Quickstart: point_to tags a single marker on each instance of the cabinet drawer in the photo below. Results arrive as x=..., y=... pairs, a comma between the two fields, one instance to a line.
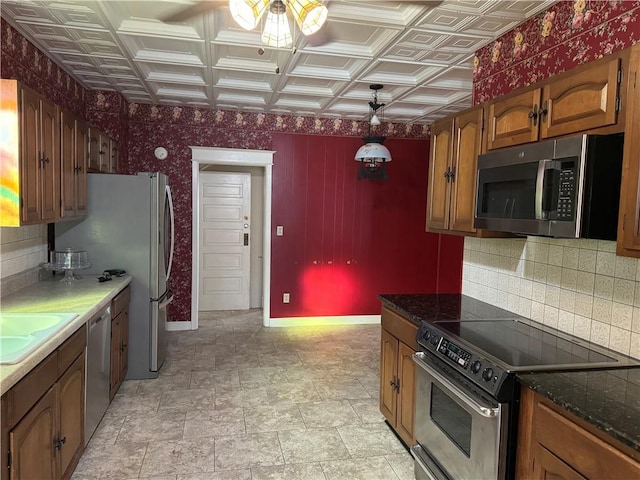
x=25, y=394
x=120, y=302
x=401, y=328
x=589, y=455
x=71, y=348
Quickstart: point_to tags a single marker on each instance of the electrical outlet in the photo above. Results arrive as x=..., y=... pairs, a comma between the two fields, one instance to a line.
x=285, y=298
x=279, y=231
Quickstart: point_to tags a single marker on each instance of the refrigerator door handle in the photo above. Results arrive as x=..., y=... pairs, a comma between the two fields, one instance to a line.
x=173, y=234
x=165, y=299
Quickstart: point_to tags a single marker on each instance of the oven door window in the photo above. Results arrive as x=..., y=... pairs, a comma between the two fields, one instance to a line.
x=508, y=192
x=454, y=421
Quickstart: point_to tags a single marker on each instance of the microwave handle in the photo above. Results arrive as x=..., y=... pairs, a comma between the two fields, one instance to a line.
x=543, y=166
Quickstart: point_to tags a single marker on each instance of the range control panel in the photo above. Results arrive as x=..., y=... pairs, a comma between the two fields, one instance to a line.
x=482, y=371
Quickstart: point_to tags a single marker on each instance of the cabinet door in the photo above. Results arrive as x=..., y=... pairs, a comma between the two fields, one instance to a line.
x=124, y=342
x=31, y=442
x=82, y=157
x=466, y=147
x=581, y=102
x=546, y=466
x=94, y=149
x=50, y=166
x=514, y=120
x=104, y=153
x=30, y=155
x=68, y=163
x=438, y=193
x=113, y=156
x=70, y=439
x=629, y=219
x=116, y=344
x=406, y=394
x=388, y=378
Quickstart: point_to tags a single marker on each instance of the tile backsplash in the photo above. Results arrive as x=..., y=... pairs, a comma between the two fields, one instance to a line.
x=577, y=286
x=22, y=250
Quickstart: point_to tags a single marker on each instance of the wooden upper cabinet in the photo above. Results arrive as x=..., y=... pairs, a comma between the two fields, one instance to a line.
x=629, y=217
x=39, y=158
x=94, y=149
x=585, y=99
x=582, y=101
x=513, y=120
x=29, y=155
x=438, y=196
x=82, y=158
x=456, y=143
x=74, y=151
x=467, y=145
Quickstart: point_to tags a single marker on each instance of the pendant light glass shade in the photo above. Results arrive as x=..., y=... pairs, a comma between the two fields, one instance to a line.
x=247, y=13
x=373, y=153
x=276, y=31
x=310, y=15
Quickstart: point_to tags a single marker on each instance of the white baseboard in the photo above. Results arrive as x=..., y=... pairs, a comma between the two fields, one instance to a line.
x=177, y=326
x=337, y=320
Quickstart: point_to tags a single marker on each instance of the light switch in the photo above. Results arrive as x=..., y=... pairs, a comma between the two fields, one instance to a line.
x=279, y=230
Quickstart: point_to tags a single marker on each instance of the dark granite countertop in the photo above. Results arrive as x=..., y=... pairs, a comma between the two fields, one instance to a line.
x=437, y=307
x=608, y=399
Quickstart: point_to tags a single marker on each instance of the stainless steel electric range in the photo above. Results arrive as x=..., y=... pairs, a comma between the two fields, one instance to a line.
x=467, y=395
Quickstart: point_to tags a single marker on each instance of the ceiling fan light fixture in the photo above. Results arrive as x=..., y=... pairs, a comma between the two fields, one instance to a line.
x=276, y=31
x=310, y=15
x=247, y=13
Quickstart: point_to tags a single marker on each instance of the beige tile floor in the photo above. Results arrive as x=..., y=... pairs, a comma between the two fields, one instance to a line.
x=237, y=401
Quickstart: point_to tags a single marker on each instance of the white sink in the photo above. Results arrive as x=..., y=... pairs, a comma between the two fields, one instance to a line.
x=22, y=333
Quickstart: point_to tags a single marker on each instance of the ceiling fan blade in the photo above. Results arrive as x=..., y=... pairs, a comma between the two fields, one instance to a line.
x=325, y=35
x=198, y=8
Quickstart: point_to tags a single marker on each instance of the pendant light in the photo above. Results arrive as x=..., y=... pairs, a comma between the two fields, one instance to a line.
x=373, y=155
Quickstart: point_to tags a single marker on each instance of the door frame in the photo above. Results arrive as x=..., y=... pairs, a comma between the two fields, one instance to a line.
x=242, y=158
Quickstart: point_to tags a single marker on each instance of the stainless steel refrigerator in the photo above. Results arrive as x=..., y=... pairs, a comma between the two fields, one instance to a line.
x=129, y=226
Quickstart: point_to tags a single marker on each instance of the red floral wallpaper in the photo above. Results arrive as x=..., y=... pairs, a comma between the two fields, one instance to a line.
x=566, y=35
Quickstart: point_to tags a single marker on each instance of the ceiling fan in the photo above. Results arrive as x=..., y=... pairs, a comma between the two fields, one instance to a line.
x=310, y=15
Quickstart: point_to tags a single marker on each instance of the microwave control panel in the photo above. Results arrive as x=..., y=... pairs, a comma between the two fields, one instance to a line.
x=567, y=192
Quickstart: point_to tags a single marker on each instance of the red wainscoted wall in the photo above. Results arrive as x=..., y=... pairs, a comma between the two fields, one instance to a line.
x=567, y=34
x=346, y=240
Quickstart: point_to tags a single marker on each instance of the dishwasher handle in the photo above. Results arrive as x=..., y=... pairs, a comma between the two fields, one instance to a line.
x=106, y=315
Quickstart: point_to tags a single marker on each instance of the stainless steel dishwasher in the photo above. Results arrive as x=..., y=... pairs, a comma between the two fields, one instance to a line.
x=97, y=371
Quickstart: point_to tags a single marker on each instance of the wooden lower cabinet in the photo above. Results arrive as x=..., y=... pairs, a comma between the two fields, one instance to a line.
x=70, y=437
x=397, y=373
x=554, y=444
x=31, y=442
x=43, y=416
x=119, y=340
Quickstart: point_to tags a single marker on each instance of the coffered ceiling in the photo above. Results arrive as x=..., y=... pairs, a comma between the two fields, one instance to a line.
x=422, y=52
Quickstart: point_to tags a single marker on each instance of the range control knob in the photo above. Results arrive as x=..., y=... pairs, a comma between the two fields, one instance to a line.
x=487, y=374
x=427, y=336
x=475, y=366
x=434, y=340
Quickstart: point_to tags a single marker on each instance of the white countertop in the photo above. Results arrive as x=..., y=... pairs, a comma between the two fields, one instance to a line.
x=86, y=297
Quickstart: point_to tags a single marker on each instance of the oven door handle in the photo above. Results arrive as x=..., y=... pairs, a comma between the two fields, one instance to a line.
x=483, y=410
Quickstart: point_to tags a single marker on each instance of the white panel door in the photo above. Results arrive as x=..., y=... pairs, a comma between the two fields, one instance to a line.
x=225, y=239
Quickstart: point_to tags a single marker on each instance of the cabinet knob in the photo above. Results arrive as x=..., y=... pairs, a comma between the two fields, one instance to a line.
x=58, y=443
x=544, y=110
x=533, y=114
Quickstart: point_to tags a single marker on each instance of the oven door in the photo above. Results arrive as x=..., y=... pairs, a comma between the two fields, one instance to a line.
x=458, y=432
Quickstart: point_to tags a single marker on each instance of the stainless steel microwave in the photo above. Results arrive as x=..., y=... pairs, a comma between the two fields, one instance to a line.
x=569, y=187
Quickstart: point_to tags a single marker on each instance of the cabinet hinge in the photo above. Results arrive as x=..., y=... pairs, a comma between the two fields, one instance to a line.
x=482, y=125
x=9, y=460
x=619, y=76
x=618, y=103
